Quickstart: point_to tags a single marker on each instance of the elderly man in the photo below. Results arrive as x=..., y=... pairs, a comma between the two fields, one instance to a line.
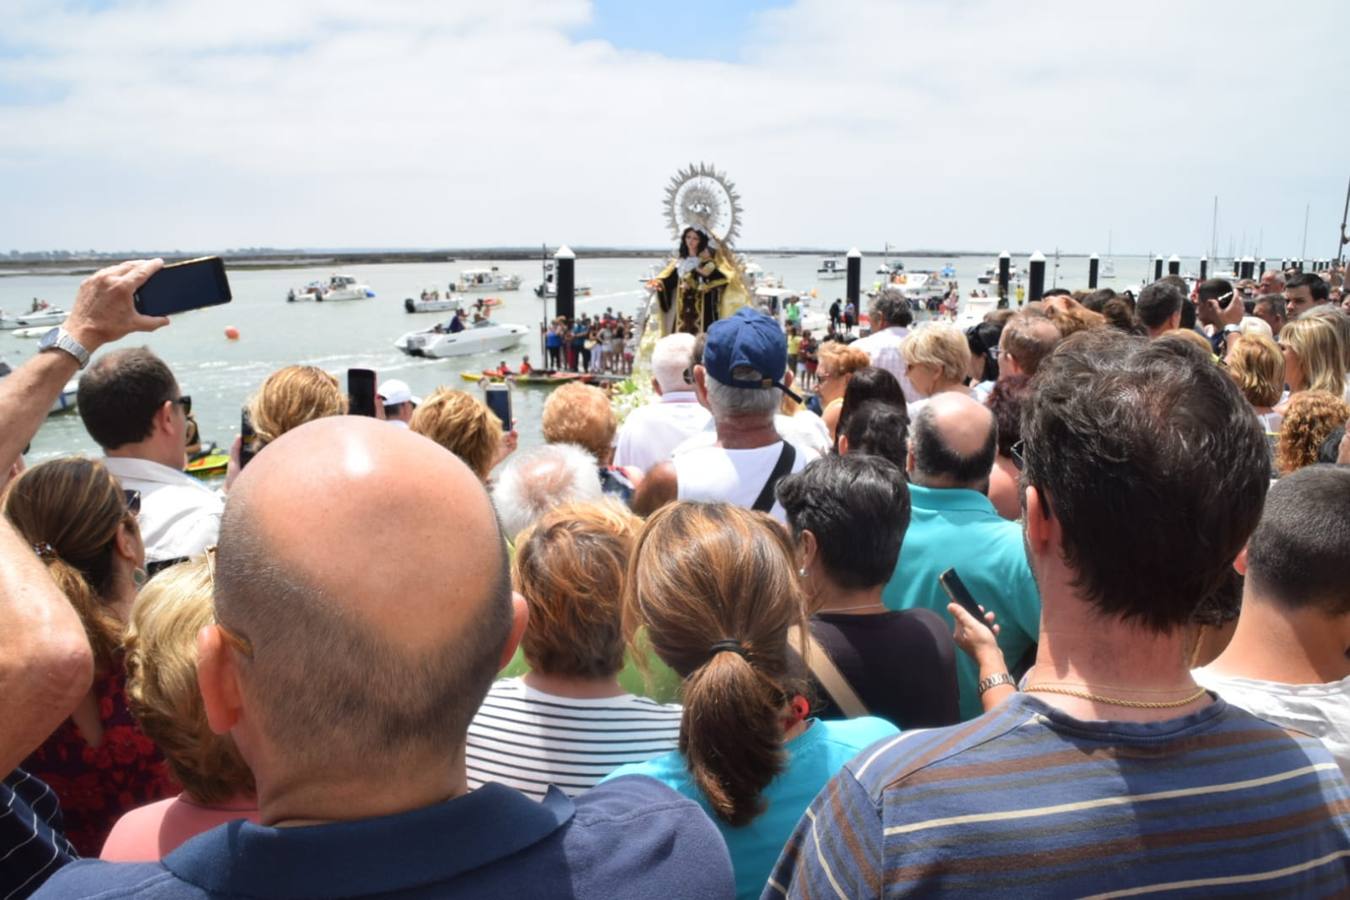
x=398, y=401
x=1270, y=308
x=890, y=316
x=133, y=408
x=741, y=383
x=536, y=481
x=651, y=432
x=1026, y=339
x=1113, y=773
x=45, y=660
x=1272, y=282
x=1287, y=662
x=347, y=672
x=953, y=525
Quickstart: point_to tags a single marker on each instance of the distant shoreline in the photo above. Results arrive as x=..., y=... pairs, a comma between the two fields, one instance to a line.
x=77, y=265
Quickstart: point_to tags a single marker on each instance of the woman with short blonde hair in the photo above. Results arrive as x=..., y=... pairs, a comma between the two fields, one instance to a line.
x=161, y=648
x=937, y=359
x=1313, y=356
x=292, y=396
x=567, y=721
x=462, y=424
x=1256, y=364
x=836, y=364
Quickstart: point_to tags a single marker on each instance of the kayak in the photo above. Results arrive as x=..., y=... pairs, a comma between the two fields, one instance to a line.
x=209, y=466
x=534, y=378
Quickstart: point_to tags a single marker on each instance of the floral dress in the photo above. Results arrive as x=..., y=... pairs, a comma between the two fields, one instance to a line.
x=96, y=785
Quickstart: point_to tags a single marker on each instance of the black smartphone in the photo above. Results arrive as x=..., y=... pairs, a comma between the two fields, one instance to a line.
x=247, y=439
x=181, y=286
x=361, y=392
x=498, y=399
x=956, y=589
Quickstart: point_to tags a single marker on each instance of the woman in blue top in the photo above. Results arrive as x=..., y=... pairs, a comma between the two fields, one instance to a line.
x=713, y=585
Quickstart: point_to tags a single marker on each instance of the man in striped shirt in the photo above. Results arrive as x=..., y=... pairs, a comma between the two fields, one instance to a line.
x=1112, y=774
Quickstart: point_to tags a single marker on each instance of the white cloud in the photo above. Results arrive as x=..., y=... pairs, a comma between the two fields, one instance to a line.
x=958, y=124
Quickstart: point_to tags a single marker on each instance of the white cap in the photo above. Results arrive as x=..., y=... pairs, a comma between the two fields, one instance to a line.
x=393, y=392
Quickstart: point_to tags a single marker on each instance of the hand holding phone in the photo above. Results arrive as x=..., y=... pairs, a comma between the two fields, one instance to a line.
x=182, y=286
x=959, y=594
x=497, y=396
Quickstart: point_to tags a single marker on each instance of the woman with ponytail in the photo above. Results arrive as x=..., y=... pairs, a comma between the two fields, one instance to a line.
x=81, y=523
x=714, y=587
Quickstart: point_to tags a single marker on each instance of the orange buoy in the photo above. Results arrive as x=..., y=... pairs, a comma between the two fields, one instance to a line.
x=231, y=333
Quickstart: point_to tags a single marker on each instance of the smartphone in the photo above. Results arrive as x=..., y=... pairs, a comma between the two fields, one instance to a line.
x=361, y=392
x=956, y=589
x=498, y=399
x=247, y=439
x=181, y=286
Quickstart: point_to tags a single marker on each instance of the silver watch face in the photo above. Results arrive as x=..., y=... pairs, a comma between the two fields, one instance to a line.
x=49, y=339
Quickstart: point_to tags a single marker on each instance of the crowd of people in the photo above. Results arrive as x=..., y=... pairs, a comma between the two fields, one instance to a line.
x=720, y=648
x=603, y=344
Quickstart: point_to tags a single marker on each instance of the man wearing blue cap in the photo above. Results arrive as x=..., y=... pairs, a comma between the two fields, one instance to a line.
x=744, y=363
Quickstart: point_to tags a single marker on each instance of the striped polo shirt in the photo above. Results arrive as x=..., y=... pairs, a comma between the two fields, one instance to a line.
x=528, y=739
x=1027, y=801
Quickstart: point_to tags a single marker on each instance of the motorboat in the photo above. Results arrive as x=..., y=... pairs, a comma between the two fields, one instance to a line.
x=831, y=269
x=1107, y=269
x=891, y=268
x=44, y=318
x=338, y=287
x=440, y=341
x=990, y=275
x=916, y=285
x=64, y=402
x=773, y=301
x=484, y=281
x=547, y=289
x=432, y=301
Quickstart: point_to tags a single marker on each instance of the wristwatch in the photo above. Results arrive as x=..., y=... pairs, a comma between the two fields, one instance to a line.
x=59, y=339
x=994, y=681
x=1232, y=329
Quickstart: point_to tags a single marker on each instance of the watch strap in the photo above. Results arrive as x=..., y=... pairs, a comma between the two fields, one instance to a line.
x=62, y=340
x=993, y=681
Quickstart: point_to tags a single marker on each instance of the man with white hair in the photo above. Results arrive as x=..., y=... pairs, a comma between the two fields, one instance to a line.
x=651, y=432
x=532, y=483
x=890, y=317
x=740, y=380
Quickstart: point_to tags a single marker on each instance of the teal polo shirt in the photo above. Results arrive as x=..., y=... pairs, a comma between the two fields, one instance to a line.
x=960, y=529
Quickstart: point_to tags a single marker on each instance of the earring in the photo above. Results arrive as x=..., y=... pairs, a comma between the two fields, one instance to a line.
x=138, y=576
x=801, y=573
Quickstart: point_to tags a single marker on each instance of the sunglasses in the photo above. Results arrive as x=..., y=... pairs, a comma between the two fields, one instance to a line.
x=133, y=502
x=186, y=402
x=1016, y=451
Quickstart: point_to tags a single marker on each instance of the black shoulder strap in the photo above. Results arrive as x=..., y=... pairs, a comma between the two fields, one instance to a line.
x=788, y=456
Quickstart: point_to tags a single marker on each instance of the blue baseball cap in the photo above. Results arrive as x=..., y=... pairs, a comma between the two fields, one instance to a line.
x=749, y=339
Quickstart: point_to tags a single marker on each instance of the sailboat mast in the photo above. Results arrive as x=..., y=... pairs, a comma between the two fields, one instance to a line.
x=1343, y=239
x=1214, y=232
x=1307, y=211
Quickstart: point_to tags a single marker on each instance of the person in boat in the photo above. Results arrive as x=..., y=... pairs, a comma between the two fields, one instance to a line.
x=502, y=369
x=700, y=286
x=457, y=322
x=525, y=367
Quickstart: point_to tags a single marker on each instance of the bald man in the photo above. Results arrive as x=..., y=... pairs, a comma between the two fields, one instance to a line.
x=953, y=525
x=351, y=651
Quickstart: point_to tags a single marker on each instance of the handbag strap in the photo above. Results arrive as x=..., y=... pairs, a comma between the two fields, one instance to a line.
x=827, y=673
x=788, y=456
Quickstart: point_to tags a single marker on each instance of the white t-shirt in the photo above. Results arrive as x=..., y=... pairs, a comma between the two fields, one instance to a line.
x=731, y=476
x=811, y=438
x=652, y=432
x=179, y=515
x=527, y=739
x=883, y=348
x=1319, y=710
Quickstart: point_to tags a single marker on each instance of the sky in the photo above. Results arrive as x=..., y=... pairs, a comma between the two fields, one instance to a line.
x=955, y=124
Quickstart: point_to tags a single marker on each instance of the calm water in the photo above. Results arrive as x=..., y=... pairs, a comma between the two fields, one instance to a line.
x=220, y=375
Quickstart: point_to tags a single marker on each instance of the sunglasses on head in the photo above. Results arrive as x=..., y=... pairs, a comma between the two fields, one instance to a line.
x=133, y=502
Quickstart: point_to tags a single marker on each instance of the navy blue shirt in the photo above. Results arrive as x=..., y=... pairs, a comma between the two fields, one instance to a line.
x=32, y=846
x=632, y=837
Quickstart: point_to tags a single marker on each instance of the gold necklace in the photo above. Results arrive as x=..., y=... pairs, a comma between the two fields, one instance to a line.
x=1112, y=701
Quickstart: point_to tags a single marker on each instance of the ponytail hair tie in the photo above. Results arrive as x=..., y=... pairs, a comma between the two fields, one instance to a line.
x=729, y=645
x=44, y=550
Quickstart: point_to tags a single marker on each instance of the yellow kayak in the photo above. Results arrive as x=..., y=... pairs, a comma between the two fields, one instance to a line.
x=209, y=466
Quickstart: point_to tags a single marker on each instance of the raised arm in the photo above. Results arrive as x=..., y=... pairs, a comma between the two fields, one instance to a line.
x=46, y=665
x=103, y=313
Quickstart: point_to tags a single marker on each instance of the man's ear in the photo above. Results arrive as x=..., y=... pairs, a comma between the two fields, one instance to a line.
x=843, y=445
x=163, y=420
x=701, y=384
x=520, y=617
x=807, y=548
x=1043, y=534
x=218, y=680
x=1240, y=563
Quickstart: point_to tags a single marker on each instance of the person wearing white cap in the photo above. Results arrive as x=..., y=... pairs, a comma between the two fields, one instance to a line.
x=398, y=401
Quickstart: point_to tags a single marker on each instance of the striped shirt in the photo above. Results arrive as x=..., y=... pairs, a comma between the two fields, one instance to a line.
x=32, y=846
x=527, y=739
x=1026, y=801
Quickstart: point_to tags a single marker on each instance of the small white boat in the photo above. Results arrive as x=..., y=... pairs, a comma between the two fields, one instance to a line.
x=31, y=332
x=831, y=269
x=339, y=287
x=45, y=318
x=485, y=281
x=917, y=285
x=432, y=301
x=1107, y=269
x=440, y=342
x=548, y=289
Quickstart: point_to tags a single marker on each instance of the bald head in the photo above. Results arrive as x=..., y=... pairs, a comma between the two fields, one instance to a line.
x=954, y=442
x=369, y=629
